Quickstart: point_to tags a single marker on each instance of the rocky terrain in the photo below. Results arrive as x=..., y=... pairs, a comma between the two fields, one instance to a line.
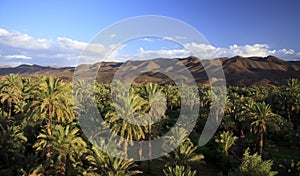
x=240, y=71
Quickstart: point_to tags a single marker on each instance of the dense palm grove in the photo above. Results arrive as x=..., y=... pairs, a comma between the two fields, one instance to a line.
x=40, y=134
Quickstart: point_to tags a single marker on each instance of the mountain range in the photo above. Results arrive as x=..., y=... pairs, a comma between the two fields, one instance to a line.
x=238, y=71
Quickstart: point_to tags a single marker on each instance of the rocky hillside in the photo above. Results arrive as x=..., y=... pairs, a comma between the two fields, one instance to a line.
x=241, y=71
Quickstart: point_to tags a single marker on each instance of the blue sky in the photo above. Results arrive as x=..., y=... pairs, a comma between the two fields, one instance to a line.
x=230, y=26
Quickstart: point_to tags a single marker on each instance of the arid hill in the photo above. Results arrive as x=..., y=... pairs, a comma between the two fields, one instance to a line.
x=241, y=71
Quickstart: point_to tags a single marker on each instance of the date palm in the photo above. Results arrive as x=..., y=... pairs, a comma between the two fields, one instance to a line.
x=105, y=164
x=11, y=92
x=290, y=96
x=183, y=155
x=226, y=140
x=179, y=171
x=124, y=119
x=172, y=95
x=53, y=102
x=261, y=118
x=155, y=108
x=12, y=145
x=119, y=167
x=65, y=144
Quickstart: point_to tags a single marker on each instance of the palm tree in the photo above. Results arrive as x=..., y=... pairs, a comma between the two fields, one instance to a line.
x=53, y=101
x=183, y=155
x=82, y=89
x=290, y=95
x=178, y=136
x=155, y=108
x=119, y=167
x=65, y=145
x=103, y=97
x=172, y=95
x=12, y=145
x=105, y=164
x=262, y=118
x=11, y=91
x=191, y=94
x=205, y=96
x=226, y=140
x=179, y=171
x=124, y=119
x=31, y=88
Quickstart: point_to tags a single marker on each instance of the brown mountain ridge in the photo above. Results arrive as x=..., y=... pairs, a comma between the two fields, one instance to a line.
x=239, y=71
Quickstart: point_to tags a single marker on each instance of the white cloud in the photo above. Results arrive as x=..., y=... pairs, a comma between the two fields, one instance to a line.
x=18, y=57
x=151, y=54
x=204, y=51
x=180, y=37
x=142, y=50
x=209, y=52
x=18, y=40
x=17, y=48
x=113, y=35
x=67, y=43
x=262, y=50
x=168, y=38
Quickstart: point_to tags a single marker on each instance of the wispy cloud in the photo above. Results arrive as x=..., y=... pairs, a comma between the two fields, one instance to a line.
x=113, y=35
x=17, y=57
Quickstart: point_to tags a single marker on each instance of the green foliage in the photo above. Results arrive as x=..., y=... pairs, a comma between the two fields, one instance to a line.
x=62, y=148
x=104, y=164
x=179, y=171
x=39, y=134
x=226, y=140
x=12, y=146
x=253, y=165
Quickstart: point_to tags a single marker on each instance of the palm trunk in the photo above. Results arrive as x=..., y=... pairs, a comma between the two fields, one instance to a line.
x=149, y=144
x=125, y=148
x=261, y=143
x=3, y=110
x=217, y=116
x=49, y=120
x=9, y=108
x=141, y=150
x=63, y=167
x=288, y=114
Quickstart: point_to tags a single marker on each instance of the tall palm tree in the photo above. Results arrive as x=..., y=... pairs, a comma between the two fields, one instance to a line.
x=124, y=118
x=290, y=95
x=226, y=140
x=11, y=91
x=53, y=100
x=261, y=118
x=155, y=108
x=65, y=145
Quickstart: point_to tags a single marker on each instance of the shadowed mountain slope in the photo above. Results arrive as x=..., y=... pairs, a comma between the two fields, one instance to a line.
x=240, y=71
